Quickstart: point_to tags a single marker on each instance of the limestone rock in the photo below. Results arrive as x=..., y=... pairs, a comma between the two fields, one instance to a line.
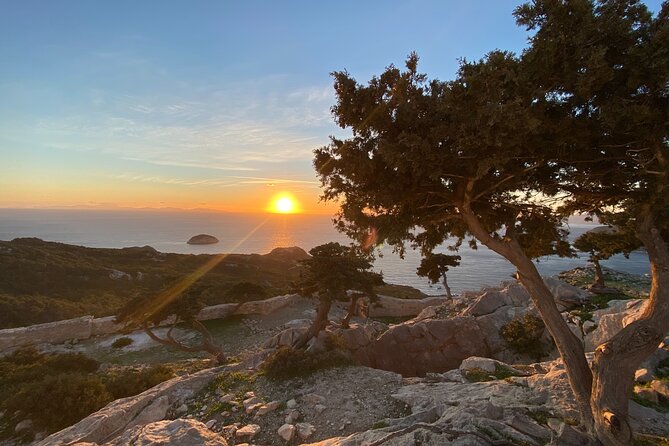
x=179, y=431
x=23, y=426
x=247, y=432
x=287, y=432
x=266, y=408
x=305, y=430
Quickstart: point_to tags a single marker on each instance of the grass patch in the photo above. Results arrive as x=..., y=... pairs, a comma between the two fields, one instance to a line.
x=479, y=375
x=523, y=336
x=380, y=424
x=287, y=363
x=660, y=407
x=650, y=440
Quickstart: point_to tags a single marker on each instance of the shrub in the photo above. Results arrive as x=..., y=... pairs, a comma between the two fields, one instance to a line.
x=288, y=362
x=58, y=401
x=523, y=336
x=122, y=342
x=246, y=291
x=132, y=381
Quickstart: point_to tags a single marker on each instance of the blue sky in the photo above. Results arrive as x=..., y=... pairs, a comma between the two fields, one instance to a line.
x=202, y=104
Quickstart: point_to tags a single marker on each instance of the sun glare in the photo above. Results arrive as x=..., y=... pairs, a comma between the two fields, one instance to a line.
x=284, y=204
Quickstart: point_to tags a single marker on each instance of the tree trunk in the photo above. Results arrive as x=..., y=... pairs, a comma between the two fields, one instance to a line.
x=208, y=345
x=448, y=289
x=319, y=323
x=569, y=346
x=617, y=359
x=352, y=310
x=599, y=275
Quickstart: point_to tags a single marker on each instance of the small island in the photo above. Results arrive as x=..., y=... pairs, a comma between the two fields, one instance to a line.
x=202, y=239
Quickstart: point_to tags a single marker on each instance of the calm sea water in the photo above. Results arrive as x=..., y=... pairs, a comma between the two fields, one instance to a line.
x=168, y=231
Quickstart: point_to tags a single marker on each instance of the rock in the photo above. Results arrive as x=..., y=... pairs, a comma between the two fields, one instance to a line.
x=155, y=411
x=253, y=407
x=567, y=296
x=118, y=416
x=23, y=426
x=487, y=303
x=386, y=306
x=567, y=435
x=227, y=398
x=202, y=239
x=487, y=365
x=305, y=430
x=291, y=404
x=247, y=432
x=210, y=424
x=269, y=407
x=181, y=409
x=319, y=408
x=643, y=376
x=179, y=432
x=287, y=432
x=292, y=416
x=312, y=399
x=661, y=388
x=251, y=401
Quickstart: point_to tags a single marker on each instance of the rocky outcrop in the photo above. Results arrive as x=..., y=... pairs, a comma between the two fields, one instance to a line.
x=441, y=337
x=124, y=414
x=387, y=306
x=178, y=432
x=202, y=239
x=88, y=326
x=449, y=409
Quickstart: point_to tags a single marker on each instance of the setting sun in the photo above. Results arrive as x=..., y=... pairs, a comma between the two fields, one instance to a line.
x=284, y=204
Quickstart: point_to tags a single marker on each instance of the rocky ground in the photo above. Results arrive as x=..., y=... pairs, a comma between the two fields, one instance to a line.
x=481, y=401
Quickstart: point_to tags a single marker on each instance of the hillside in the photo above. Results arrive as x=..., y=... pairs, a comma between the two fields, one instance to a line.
x=45, y=281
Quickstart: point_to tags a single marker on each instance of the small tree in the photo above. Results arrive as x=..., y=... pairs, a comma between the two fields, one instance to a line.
x=602, y=243
x=149, y=312
x=330, y=273
x=435, y=266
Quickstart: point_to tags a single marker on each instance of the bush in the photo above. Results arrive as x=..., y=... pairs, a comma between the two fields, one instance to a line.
x=122, y=342
x=246, y=291
x=132, y=381
x=58, y=401
x=523, y=336
x=288, y=362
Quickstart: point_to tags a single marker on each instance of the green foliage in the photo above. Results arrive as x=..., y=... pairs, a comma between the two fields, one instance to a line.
x=333, y=269
x=435, y=266
x=246, y=291
x=131, y=381
x=287, y=363
x=121, y=342
x=479, y=375
x=57, y=390
x=523, y=335
x=380, y=424
x=57, y=401
x=604, y=242
x=229, y=380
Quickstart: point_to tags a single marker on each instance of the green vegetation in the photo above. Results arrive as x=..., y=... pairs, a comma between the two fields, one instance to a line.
x=479, y=375
x=602, y=243
x=523, y=336
x=380, y=424
x=287, y=362
x=121, y=342
x=45, y=281
x=55, y=391
x=435, y=267
x=515, y=143
x=650, y=440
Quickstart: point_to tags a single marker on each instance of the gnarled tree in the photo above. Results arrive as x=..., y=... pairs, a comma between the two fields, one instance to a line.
x=435, y=267
x=149, y=313
x=330, y=274
x=601, y=243
x=504, y=152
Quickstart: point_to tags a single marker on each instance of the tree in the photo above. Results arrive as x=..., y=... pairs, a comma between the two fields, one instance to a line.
x=149, y=312
x=601, y=243
x=603, y=68
x=332, y=271
x=435, y=266
x=506, y=151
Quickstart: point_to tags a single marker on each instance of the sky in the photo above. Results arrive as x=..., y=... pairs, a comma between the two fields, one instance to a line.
x=207, y=104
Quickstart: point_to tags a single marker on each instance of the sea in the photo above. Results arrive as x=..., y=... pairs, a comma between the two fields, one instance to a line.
x=168, y=231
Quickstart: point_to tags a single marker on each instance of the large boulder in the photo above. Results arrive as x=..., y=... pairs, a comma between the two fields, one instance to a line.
x=387, y=306
x=202, y=239
x=426, y=346
x=178, y=432
x=566, y=296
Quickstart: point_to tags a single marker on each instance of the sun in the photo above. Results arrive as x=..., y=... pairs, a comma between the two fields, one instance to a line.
x=284, y=204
